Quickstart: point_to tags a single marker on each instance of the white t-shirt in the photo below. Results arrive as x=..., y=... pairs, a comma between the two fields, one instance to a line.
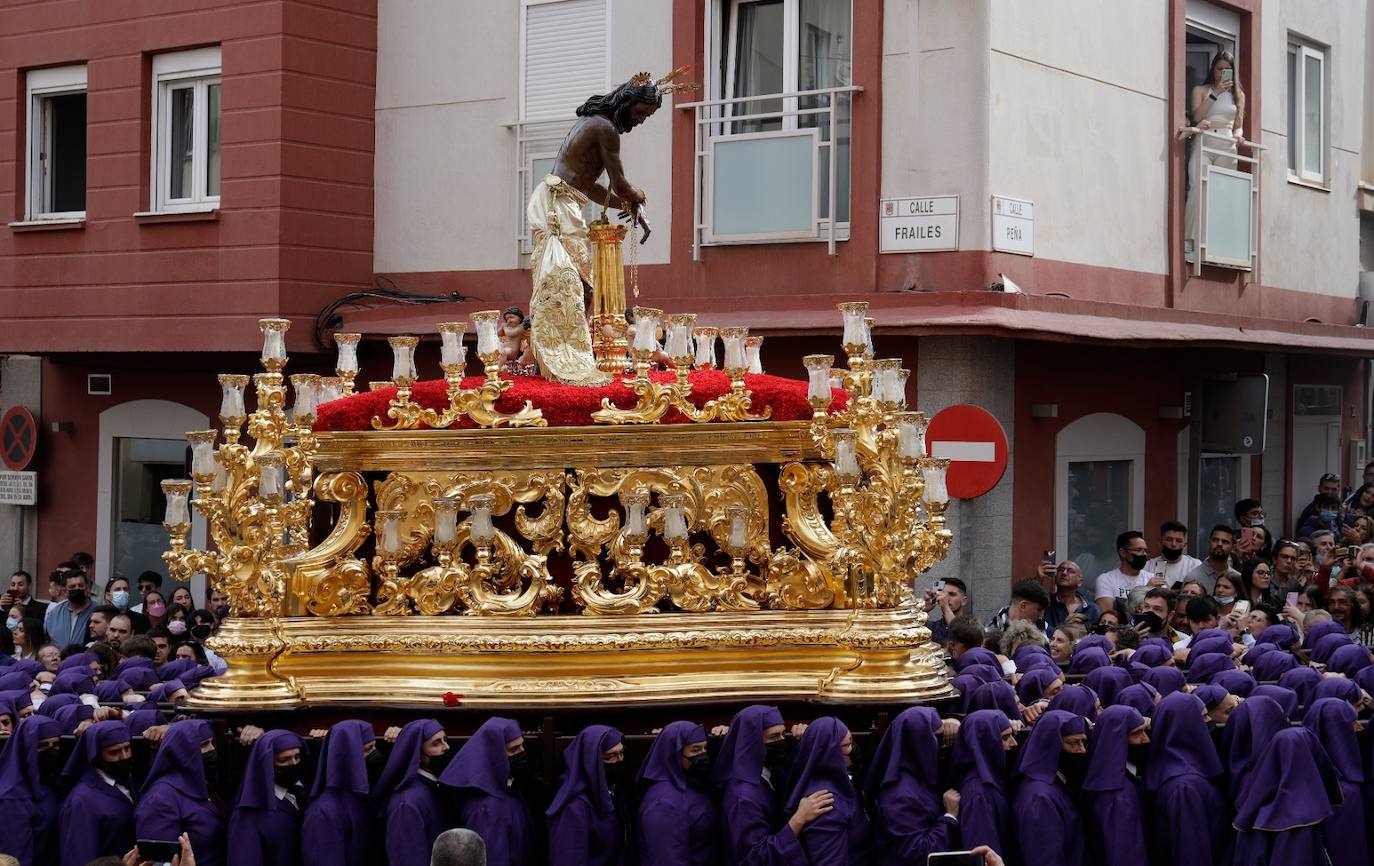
x=1174, y=572
x=1114, y=584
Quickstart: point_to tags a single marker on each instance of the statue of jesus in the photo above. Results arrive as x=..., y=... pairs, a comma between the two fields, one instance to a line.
x=562, y=260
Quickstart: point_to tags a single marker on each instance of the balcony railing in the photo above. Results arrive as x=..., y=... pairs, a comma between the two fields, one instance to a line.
x=1227, y=213
x=766, y=173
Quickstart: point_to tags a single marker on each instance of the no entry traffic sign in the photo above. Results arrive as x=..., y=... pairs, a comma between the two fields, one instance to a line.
x=976, y=446
x=18, y=438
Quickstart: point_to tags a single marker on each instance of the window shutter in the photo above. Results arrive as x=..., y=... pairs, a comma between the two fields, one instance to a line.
x=565, y=56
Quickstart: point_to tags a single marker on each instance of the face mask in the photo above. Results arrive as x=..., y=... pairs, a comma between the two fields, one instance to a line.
x=519, y=765
x=45, y=687
x=1224, y=600
x=176, y=626
x=1138, y=562
x=699, y=768
x=1328, y=516
x=11, y=623
x=200, y=632
x=777, y=754
x=437, y=763
x=1138, y=754
x=120, y=598
x=157, y=608
x=1074, y=766
x=76, y=596
x=50, y=764
x=615, y=773
x=375, y=764
x=1258, y=521
x=287, y=776
x=120, y=771
x=210, y=761
x=1169, y=554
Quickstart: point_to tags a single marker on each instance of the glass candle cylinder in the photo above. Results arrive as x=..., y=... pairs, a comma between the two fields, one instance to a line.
x=347, y=361
x=635, y=503
x=274, y=339
x=752, y=347
x=231, y=395
x=911, y=435
x=307, y=389
x=933, y=470
x=674, y=517
x=734, y=347
x=868, y=336
x=899, y=378
x=706, y=347
x=445, y=520
x=403, y=358
x=846, y=457
x=389, y=532
x=883, y=371
x=177, y=492
x=679, y=342
x=646, y=328
x=270, y=485
x=330, y=388
x=487, y=323
x=852, y=316
x=202, y=452
x=818, y=376
x=452, y=352
x=739, y=527
x=221, y=474
x=482, y=531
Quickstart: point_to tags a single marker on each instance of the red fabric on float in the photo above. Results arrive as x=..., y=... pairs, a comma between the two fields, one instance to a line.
x=572, y=406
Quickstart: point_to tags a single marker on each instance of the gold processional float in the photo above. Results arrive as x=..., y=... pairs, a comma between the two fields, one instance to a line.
x=732, y=558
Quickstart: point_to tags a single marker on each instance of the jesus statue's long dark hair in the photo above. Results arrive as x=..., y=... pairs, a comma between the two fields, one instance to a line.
x=616, y=104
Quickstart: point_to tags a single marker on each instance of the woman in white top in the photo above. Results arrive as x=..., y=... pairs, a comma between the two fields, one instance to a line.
x=1219, y=105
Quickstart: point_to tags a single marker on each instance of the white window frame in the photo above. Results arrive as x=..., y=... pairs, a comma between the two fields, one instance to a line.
x=42, y=84
x=199, y=68
x=1304, y=50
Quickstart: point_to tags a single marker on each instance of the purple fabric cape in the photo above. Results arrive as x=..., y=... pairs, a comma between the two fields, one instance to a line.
x=1033, y=683
x=585, y=828
x=978, y=768
x=1108, y=683
x=1256, y=652
x=16, y=681
x=263, y=830
x=1210, y=695
x=1094, y=640
x=754, y=831
x=1027, y=657
x=1332, y=721
x=1047, y=822
x=1115, y=800
x=414, y=814
x=841, y=836
x=1250, y=726
x=966, y=685
x=29, y=806
x=1328, y=644
x=96, y=820
x=1087, y=659
x=1321, y=630
x=977, y=656
x=176, y=798
x=1152, y=655
x=138, y=671
x=1302, y=680
x=1207, y=665
x=79, y=660
x=1189, y=813
x=983, y=673
x=1349, y=660
x=1285, y=698
x=1208, y=646
x=1282, y=635
x=1290, y=791
x=51, y=704
x=111, y=691
x=1079, y=700
x=1273, y=665
x=995, y=696
x=163, y=692
x=71, y=715
x=175, y=668
x=73, y=682
x=490, y=806
x=336, y=829
x=677, y=819
x=1238, y=683
x=909, y=823
x=1166, y=680
x=1139, y=697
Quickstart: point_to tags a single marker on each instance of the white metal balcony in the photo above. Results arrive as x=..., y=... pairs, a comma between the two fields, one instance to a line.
x=1225, y=220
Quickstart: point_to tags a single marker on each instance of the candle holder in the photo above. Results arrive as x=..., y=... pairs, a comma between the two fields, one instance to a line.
x=328, y=389
x=855, y=339
x=737, y=539
x=392, y=596
x=678, y=346
x=177, y=518
x=453, y=355
x=231, y=407
x=753, y=361
x=307, y=389
x=646, y=340
x=818, y=392
x=884, y=382
x=445, y=529
x=375, y=385
x=347, y=364
x=202, y=455
x=486, y=325
x=705, y=347
x=274, y=343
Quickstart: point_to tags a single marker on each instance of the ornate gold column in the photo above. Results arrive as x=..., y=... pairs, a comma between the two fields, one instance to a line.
x=609, y=328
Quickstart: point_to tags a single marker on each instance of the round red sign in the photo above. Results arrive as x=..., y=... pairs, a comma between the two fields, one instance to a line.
x=976, y=446
x=18, y=438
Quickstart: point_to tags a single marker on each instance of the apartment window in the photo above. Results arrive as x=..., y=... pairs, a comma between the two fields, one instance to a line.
x=57, y=143
x=1307, y=112
x=565, y=54
x=186, y=130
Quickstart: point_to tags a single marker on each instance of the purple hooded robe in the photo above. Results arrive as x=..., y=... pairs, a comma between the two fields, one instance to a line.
x=585, y=828
x=754, y=830
x=413, y=813
x=176, y=798
x=1285, y=698
x=138, y=671
x=336, y=829
x=1078, y=700
x=910, y=821
x=1113, y=793
x=28, y=802
x=979, y=770
x=97, y=818
x=1349, y=660
x=1182, y=774
x=1303, y=681
x=491, y=806
x=1333, y=722
x=678, y=824
x=1249, y=727
x=995, y=696
x=1108, y=683
x=841, y=836
x=1292, y=790
x=265, y=830
x=1047, y=821
x=1165, y=680
x=1139, y=697
x=1033, y=683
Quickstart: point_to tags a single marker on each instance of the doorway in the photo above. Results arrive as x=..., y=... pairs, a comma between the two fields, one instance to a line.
x=1316, y=442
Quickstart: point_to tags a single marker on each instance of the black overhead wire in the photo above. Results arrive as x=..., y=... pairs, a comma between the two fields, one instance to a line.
x=383, y=293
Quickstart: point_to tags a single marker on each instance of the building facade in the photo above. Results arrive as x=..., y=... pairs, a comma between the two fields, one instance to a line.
x=1040, y=272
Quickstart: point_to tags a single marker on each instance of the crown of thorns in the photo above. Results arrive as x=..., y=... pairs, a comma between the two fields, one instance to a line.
x=668, y=83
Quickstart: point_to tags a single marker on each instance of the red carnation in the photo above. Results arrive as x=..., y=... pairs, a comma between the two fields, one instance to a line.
x=452, y=700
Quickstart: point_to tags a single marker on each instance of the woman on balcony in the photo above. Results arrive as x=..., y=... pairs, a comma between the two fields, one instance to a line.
x=1218, y=106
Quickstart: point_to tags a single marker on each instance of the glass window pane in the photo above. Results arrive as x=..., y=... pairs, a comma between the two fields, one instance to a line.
x=212, y=140
x=1099, y=508
x=64, y=153
x=764, y=186
x=181, y=147
x=758, y=56
x=1294, y=97
x=141, y=465
x=1227, y=232
x=1312, y=115
x=824, y=44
